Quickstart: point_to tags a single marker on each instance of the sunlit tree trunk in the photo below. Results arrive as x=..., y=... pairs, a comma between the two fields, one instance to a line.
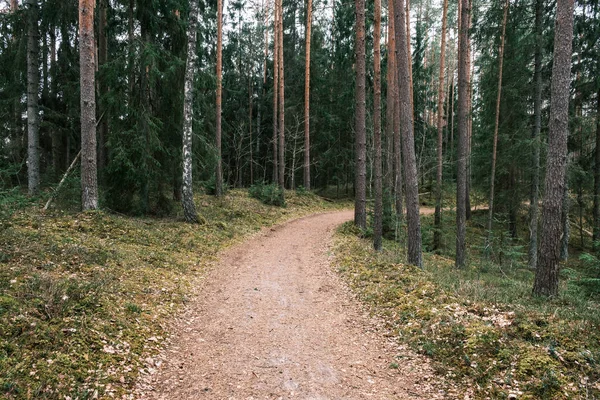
x=33, y=111
x=87, y=65
x=189, y=208
x=546, y=276
x=408, y=148
x=275, y=89
x=307, y=98
x=496, y=127
x=378, y=225
x=219, y=171
x=281, y=162
x=437, y=233
x=463, y=126
x=360, y=187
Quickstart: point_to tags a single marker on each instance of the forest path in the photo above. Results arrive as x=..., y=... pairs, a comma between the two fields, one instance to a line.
x=274, y=321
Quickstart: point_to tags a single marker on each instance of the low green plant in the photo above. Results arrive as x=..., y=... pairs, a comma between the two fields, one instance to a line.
x=270, y=194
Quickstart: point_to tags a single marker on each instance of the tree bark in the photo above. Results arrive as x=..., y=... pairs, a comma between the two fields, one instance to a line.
x=307, y=98
x=535, y=136
x=219, y=171
x=546, y=276
x=496, y=126
x=463, y=126
x=281, y=162
x=378, y=225
x=275, y=89
x=389, y=102
x=437, y=232
x=33, y=111
x=408, y=144
x=596, y=230
x=87, y=64
x=360, y=189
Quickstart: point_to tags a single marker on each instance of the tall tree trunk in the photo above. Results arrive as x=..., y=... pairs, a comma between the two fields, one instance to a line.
x=437, y=233
x=389, y=103
x=378, y=225
x=219, y=171
x=408, y=142
x=307, y=98
x=463, y=126
x=33, y=111
x=470, y=72
x=395, y=120
x=546, y=276
x=596, y=232
x=275, y=89
x=102, y=87
x=360, y=187
x=496, y=126
x=281, y=162
x=250, y=113
x=535, y=136
x=87, y=65
x=189, y=208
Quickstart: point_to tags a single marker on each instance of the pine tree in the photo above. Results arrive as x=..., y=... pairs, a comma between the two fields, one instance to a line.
x=87, y=64
x=378, y=224
x=33, y=81
x=546, y=276
x=307, y=98
x=360, y=187
x=219, y=171
x=407, y=127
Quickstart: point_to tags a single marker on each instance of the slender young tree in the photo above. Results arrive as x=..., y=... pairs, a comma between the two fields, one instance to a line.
x=596, y=232
x=546, y=275
x=275, y=89
x=496, y=126
x=281, y=107
x=378, y=225
x=87, y=65
x=535, y=136
x=408, y=147
x=102, y=87
x=33, y=108
x=189, y=208
x=219, y=171
x=360, y=187
x=389, y=101
x=307, y=98
x=463, y=125
x=437, y=233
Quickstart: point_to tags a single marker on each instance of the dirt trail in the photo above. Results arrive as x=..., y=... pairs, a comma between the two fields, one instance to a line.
x=273, y=321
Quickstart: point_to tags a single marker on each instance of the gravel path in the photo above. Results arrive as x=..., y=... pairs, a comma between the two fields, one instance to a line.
x=273, y=321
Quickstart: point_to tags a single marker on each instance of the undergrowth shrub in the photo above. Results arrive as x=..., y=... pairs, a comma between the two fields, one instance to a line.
x=270, y=194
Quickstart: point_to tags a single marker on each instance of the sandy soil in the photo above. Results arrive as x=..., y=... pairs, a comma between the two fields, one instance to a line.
x=273, y=321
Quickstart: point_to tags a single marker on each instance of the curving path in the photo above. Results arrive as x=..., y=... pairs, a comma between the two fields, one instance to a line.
x=275, y=322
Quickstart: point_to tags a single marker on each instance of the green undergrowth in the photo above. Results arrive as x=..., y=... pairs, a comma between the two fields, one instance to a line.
x=85, y=298
x=481, y=328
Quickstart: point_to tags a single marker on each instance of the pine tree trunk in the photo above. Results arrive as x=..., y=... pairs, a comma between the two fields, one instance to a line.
x=378, y=225
x=307, y=98
x=408, y=142
x=437, y=232
x=389, y=103
x=360, y=187
x=33, y=111
x=219, y=171
x=275, y=89
x=470, y=72
x=463, y=126
x=535, y=136
x=596, y=232
x=87, y=64
x=546, y=276
x=496, y=127
x=189, y=208
x=281, y=162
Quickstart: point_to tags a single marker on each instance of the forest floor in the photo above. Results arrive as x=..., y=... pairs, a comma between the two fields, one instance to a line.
x=274, y=321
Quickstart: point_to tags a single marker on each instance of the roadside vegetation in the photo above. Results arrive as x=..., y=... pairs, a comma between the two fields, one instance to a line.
x=85, y=298
x=481, y=326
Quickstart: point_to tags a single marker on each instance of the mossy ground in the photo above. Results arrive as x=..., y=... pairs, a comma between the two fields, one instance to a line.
x=481, y=327
x=85, y=298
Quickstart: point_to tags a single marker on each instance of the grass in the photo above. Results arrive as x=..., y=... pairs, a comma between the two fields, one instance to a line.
x=85, y=298
x=481, y=327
